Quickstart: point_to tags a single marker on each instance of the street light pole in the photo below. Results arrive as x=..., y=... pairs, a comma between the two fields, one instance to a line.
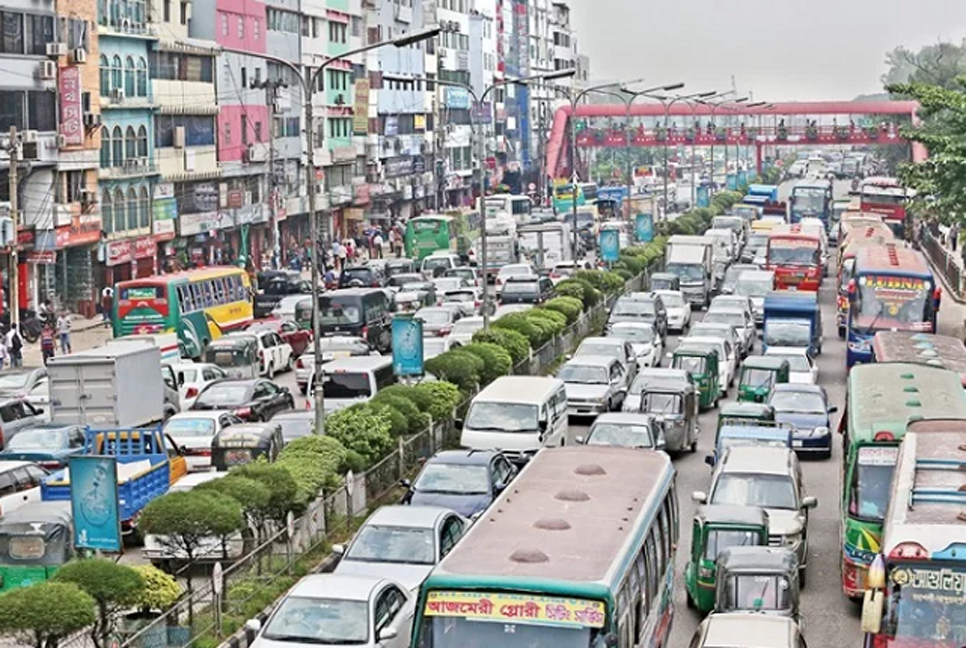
x=714, y=135
x=667, y=103
x=309, y=82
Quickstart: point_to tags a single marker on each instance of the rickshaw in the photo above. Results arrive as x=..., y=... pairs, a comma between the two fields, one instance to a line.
x=665, y=281
x=35, y=541
x=702, y=363
x=237, y=356
x=764, y=433
x=677, y=403
x=716, y=528
x=303, y=314
x=750, y=413
x=758, y=579
x=759, y=375
x=399, y=266
x=242, y=444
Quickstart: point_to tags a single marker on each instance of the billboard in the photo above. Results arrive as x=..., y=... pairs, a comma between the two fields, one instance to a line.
x=94, y=503
x=407, y=346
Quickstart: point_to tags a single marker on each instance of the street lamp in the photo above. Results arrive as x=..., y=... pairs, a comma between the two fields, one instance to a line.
x=309, y=82
x=478, y=100
x=714, y=107
x=757, y=104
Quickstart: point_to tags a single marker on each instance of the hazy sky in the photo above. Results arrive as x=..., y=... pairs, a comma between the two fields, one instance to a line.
x=779, y=49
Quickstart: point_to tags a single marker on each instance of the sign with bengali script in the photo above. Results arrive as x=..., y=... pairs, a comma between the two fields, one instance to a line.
x=71, y=111
x=516, y=608
x=939, y=585
x=360, y=107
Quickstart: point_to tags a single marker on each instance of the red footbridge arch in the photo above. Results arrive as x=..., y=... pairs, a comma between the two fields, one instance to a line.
x=755, y=133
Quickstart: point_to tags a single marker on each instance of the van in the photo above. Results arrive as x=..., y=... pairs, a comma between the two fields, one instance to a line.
x=237, y=356
x=519, y=415
x=353, y=380
x=356, y=312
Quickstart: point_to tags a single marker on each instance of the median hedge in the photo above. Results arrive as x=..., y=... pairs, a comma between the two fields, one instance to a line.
x=569, y=307
x=513, y=342
x=496, y=361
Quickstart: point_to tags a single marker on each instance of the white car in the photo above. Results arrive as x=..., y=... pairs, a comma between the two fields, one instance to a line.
x=468, y=299
x=434, y=346
x=726, y=368
x=678, y=309
x=647, y=344
x=741, y=321
x=285, y=309
x=332, y=348
x=445, y=284
x=194, y=377
x=464, y=329
x=514, y=270
x=506, y=309
x=274, y=353
x=193, y=432
x=801, y=367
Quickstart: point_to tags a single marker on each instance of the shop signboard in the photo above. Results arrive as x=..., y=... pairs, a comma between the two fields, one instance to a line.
x=191, y=224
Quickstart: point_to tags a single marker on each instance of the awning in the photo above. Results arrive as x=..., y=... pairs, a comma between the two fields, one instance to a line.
x=189, y=46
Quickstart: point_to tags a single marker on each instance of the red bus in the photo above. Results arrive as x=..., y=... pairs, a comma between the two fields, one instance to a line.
x=795, y=256
x=886, y=197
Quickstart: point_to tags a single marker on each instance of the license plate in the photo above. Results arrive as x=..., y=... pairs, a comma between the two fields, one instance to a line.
x=798, y=444
x=792, y=288
x=238, y=457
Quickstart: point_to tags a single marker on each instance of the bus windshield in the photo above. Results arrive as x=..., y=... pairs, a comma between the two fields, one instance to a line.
x=459, y=632
x=871, y=481
x=890, y=302
x=793, y=252
x=927, y=602
x=810, y=199
x=421, y=226
x=686, y=272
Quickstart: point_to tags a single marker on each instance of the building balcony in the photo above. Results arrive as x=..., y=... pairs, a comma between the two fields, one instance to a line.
x=187, y=163
x=132, y=168
x=128, y=28
x=120, y=100
x=175, y=97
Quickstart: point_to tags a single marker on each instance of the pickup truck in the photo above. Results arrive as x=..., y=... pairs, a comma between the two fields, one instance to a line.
x=148, y=462
x=274, y=289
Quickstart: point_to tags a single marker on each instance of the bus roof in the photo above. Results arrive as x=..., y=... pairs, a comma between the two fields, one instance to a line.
x=944, y=351
x=570, y=516
x=887, y=396
x=794, y=230
x=928, y=497
x=432, y=217
x=892, y=258
x=189, y=275
x=812, y=184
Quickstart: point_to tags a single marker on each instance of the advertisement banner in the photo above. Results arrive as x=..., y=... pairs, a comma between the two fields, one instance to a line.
x=71, y=111
x=644, y=227
x=457, y=98
x=516, y=608
x=94, y=503
x=704, y=196
x=610, y=245
x=731, y=182
x=407, y=346
x=360, y=107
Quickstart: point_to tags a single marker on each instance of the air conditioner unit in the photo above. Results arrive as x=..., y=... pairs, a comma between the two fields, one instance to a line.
x=56, y=49
x=48, y=70
x=79, y=55
x=340, y=100
x=29, y=137
x=441, y=52
x=117, y=94
x=61, y=141
x=277, y=106
x=179, y=136
x=92, y=120
x=88, y=196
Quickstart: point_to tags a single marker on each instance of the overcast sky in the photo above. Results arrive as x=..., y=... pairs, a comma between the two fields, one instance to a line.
x=779, y=49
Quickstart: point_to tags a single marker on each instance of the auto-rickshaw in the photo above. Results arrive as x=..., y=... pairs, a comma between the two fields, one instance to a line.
x=745, y=413
x=303, y=314
x=242, y=444
x=758, y=579
x=759, y=375
x=702, y=363
x=716, y=528
x=237, y=356
x=665, y=281
x=766, y=433
x=677, y=403
x=35, y=541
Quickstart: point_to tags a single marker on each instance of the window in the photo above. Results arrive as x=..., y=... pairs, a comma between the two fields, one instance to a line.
x=256, y=28
x=184, y=13
x=107, y=213
x=244, y=77
x=130, y=144
x=167, y=10
x=224, y=24
x=337, y=32
x=284, y=21
x=74, y=181
x=142, y=78
x=76, y=33
x=117, y=73
x=199, y=130
x=129, y=76
x=241, y=27
x=142, y=142
x=117, y=147
x=227, y=134
x=244, y=129
x=145, y=207
x=182, y=67
x=105, y=147
x=105, y=73
x=653, y=566
x=258, y=131
x=120, y=223
x=11, y=41
x=132, y=208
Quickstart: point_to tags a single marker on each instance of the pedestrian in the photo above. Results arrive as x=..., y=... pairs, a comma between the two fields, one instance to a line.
x=377, y=244
x=107, y=304
x=3, y=353
x=14, y=344
x=954, y=236
x=47, y=342
x=63, y=331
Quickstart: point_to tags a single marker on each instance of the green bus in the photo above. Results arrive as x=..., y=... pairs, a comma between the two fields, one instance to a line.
x=457, y=232
x=882, y=399
x=577, y=551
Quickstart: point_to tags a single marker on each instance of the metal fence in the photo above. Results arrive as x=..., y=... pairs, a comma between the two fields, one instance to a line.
x=944, y=261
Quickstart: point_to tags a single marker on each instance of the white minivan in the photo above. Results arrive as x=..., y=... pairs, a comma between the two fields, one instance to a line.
x=519, y=415
x=352, y=380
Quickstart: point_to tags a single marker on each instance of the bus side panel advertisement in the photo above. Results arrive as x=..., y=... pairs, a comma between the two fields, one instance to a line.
x=516, y=607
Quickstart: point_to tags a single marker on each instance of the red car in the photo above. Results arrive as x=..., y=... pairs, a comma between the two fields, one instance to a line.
x=298, y=338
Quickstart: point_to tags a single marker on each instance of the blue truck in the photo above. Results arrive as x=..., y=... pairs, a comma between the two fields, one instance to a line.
x=792, y=319
x=148, y=462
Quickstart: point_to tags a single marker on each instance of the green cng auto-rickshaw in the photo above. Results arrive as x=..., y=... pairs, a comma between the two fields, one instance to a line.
x=758, y=579
x=701, y=362
x=716, y=528
x=759, y=375
x=35, y=541
x=744, y=413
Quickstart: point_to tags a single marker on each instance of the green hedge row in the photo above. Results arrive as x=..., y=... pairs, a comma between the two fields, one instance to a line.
x=696, y=221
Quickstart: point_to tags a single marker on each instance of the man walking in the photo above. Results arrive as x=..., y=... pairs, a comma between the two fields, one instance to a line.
x=14, y=345
x=107, y=304
x=63, y=331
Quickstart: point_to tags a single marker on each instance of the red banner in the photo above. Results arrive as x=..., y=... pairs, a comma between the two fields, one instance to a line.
x=71, y=111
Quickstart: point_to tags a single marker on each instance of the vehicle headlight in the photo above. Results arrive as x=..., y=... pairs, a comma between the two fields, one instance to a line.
x=705, y=572
x=792, y=541
x=821, y=431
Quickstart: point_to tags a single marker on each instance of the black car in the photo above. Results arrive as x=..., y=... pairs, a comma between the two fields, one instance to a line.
x=251, y=400
x=465, y=481
x=526, y=290
x=395, y=267
x=277, y=287
x=638, y=307
x=361, y=277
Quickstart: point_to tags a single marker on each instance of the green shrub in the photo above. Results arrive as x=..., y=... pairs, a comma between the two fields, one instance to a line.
x=362, y=429
x=316, y=462
x=513, y=342
x=519, y=323
x=419, y=399
x=458, y=367
x=545, y=327
x=569, y=307
x=570, y=289
x=587, y=294
x=416, y=421
x=496, y=361
x=606, y=282
x=624, y=274
x=632, y=264
x=559, y=319
x=444, y=396
x=398, y=425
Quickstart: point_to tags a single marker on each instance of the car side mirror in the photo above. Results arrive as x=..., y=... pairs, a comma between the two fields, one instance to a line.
x=338, y=550
x=809, y=502
x=405, y=483
x=699, y=497
x=833, y=409
x=387, y=633
x=580, y=440
x=709, y=459
x=254, y=625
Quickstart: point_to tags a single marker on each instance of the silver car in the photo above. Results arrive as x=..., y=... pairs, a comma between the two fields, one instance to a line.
x=594, y=384
x=402, y=542
x=610, y=346
x=741, y=321
x=678, y=309
x=748, y=629
x=647, y=345
x=754, y=286
x=626, y=430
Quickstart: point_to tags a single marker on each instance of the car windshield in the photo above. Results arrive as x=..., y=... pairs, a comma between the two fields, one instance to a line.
x=633, y=308
x=634, y=334
x=871, y=481
x=753, y=287
x=798, y=401
x=594, y=348
x=335, y=311
x=793, y=252
x=431, y=264
x=520, y=287
x=448, y=283
x=792, y=333
x=295, y=427
x=757, y=592
x=454, y=479
x=465, y=296
x=229, y=355
x=686, y=272
x=755, y=378
x=766, y=491
x=662, y=403
x=720, y=539
x=14, y=381
x=731, y=319
x=796, y=362
x=401, y=280
x=672, y=299
x=392, y=544
x=346, y=385
x=190, y=427
x=309, y=620
x=620, y=434
x=38, y=440
x=583, y=374
x=502, y=417
x=691, y=364
x=434, y=317
x=224, y=394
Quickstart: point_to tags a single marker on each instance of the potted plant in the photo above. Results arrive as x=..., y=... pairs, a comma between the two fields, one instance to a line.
x=159, y=593
x=872, y=132
x=721, y=134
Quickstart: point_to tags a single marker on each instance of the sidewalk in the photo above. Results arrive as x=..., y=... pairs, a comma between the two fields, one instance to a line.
x=949, y=269
x=86, y=333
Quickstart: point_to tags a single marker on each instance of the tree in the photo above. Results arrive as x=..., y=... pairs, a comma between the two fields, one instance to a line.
x=187, y=522
x=160, y=590
x=113, y=587
x=937, y=65
x=254, y=497
x=284, y=490
x=43, y=614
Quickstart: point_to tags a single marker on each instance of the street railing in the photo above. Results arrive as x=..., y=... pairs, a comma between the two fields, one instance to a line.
x=945, y=261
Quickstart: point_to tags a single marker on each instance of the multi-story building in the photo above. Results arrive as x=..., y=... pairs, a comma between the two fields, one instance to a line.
x=454, y=140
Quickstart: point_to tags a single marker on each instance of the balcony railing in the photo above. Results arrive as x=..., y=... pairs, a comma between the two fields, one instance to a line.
x=133, y=167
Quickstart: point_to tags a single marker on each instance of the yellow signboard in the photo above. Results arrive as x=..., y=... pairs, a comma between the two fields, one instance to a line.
x=516, y=608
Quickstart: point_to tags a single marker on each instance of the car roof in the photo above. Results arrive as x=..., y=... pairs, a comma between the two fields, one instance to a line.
x=474, y=319
x=757, y=459
x=598, y=339
x=464, y=457
x=403, y=515
x=358, y=363
x=337, y=586
x=799, y=387
x=197, y=414
x=633, y=324
x=592, y=360
x=191, y=480
x=628, y=418
x=748, y=630
x=754, y=558
x=732, y=514
x=518, y=389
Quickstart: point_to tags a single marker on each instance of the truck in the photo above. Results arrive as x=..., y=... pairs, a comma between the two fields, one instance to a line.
x=501, y=250
x=547, y=244
x=148, y=463
x=116, y=386
x=792, y=319
x=171, y=354
x=692, y=259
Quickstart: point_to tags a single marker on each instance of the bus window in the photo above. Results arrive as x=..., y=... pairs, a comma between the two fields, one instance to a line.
x=197, y=300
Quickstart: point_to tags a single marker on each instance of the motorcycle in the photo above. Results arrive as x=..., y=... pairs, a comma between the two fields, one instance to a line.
x=31, y=325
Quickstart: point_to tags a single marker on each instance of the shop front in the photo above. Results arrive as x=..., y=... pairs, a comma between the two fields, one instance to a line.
x=202, y=240
x=132, y=258
x=76, y=246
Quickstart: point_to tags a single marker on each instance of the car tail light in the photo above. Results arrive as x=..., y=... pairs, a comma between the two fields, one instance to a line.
x=299, y=364
x=50, y=465
x=192, y=392
x=199, y=452
x=1, y=437
x=243, y=412
x=443, y=332
x=365, y=332
x=261, y=355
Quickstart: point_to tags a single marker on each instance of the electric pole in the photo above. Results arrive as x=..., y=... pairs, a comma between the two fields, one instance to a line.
x=14, y=271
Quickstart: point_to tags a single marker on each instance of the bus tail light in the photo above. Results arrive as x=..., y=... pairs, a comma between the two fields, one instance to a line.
x=909, y=550
x=191, y=392
x=243, y=412
x=365, y=332
x=884, y=436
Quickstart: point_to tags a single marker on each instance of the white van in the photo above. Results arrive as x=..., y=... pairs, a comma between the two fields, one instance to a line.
x=353, y=380
x=517, y=414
